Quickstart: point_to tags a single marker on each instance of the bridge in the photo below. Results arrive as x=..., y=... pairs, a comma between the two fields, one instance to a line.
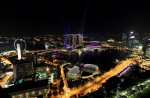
x=123, y=71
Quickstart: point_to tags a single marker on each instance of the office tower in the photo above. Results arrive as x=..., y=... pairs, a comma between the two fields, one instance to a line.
x=133, y=40
x=23, y=70
x=74, y=40
x=19, y=51
x=124, y=40
x=32, y=57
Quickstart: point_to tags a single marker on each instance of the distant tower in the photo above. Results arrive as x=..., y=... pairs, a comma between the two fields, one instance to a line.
x=133, y=40
x=19, y=51
x=20, y=46
x=80, y=39
x=146, y=43
x=74, y=40
x=35, y=59
x=23, y=70
x=124, y=40
x=32, y=57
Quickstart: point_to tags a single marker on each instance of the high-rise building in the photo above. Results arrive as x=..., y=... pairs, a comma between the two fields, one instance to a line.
x=19, y=51
x=74, y=40
x=124, y=40
x=23, y=70
x=20, y=46
x=133, y=40
x=146, y=44
x=32, y=57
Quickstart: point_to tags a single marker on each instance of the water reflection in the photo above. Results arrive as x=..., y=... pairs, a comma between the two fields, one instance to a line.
x=105, y=59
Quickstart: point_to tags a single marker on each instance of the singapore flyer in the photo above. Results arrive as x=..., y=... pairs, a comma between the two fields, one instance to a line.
x=20, y=41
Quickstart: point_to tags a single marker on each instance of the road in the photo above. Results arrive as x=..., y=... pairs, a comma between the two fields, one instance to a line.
x=6, y=62
x=65, y=88
x=5, y=79
x=8, y=76
x=97, y=82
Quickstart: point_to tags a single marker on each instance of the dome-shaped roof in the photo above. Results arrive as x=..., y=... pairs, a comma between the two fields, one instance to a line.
x=74, y=70
x=74, y=73
x=91, y=66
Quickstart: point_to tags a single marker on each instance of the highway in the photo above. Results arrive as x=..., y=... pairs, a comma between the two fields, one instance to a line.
x=6, y=62
x=97, y=82
x=65, y=88
x=8, y=76
x=5, y=79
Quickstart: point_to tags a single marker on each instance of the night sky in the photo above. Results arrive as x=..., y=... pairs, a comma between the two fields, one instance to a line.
x=27, y=17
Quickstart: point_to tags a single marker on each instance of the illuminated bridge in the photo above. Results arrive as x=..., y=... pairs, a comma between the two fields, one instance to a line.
x=124, y=70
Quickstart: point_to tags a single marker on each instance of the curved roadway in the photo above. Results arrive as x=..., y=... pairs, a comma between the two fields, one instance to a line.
x=8, y=76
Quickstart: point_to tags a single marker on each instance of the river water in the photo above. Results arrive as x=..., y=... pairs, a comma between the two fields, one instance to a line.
x=105, y=59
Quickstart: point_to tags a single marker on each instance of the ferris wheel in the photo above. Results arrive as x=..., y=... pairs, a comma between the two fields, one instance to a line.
x=20, y=41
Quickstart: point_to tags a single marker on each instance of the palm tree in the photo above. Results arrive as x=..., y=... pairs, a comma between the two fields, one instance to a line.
x=118, y=87
x=104, y=91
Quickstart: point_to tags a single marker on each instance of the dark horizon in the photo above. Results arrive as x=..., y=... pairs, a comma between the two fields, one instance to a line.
x=28, y=18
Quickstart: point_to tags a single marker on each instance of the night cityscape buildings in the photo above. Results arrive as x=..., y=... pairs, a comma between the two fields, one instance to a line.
x=74, y=49
x=50, y=71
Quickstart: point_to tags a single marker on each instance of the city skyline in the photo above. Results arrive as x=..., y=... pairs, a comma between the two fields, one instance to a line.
x=87, y=16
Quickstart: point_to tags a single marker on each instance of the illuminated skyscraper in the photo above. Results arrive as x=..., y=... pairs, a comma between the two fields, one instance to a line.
x=124, y=40
x=19, y=51
x=146, y=44
x=74, y=40
x=133, y=40
x=20, y=46
x=23, y=70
